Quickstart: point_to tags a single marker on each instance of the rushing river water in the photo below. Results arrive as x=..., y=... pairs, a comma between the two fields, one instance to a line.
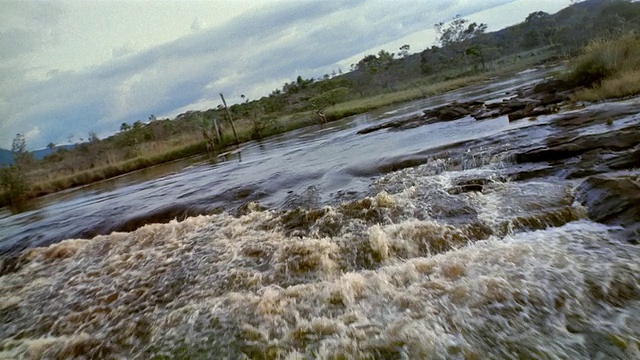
x=325, y=244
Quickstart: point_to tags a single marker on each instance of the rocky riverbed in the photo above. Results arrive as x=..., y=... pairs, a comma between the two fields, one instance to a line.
x=584, y=144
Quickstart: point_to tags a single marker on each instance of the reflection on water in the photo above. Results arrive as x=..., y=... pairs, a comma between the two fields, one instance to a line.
x=394, y=245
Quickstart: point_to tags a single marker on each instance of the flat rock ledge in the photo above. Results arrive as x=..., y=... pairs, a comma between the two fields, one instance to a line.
x=543, y=99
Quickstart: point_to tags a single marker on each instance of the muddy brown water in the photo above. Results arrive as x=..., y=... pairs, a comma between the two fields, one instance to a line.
x=326, y=244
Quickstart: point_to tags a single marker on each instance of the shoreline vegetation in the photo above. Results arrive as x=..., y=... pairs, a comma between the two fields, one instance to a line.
x=607, y=67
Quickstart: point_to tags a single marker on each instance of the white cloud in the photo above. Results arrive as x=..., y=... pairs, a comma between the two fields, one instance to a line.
x=32, y=134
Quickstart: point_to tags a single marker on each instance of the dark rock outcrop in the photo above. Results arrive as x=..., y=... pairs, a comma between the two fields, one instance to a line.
x=613, y=200
x=543, y=99
x=551, y=86
x=529, y=113
x=453, y=111
x=468, y=186
x=409, y=122
x=559, y=149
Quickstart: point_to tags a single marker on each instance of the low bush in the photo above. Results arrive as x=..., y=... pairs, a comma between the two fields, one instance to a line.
x=607, y=69
x=13, y=185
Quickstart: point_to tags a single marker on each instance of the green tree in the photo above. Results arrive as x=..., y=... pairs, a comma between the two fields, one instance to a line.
x=456, y=36
x=374, y=64
x=326, y=99
x=93, y=137
x=13, y=179
x=404, y=50
x=541, y=29
x=21, y=157
x=13, y=184
x=475, y=52
x=458, y=31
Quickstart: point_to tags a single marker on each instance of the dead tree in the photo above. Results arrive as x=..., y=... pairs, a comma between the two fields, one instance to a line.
x=235, y=134
x=320, y=113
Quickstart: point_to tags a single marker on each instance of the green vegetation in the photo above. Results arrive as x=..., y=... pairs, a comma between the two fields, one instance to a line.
x=13, y=179
x=466, y=55
x=608, y=69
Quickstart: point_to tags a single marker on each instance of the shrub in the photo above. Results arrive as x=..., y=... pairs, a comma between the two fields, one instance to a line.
x=14, y=184
x=608, y=68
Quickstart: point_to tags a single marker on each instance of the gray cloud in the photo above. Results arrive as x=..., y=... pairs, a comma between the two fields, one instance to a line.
x=30, y=25
x=276, y=43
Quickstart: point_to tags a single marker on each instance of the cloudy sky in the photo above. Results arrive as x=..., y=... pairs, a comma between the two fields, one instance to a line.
x=71, y=67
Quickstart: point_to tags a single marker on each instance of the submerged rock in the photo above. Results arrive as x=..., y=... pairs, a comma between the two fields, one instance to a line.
x=453, y=111
x=406, y=123
x=469, y=185
x=532, y=112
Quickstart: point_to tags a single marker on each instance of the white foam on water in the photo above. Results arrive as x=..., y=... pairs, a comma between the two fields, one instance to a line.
x=219, y=286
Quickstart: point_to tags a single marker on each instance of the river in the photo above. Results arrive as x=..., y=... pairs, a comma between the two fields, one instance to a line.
x=323, y=163
x=321, y=243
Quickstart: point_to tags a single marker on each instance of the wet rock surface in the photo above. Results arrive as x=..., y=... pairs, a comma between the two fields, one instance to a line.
x=613, y=200
x=467, y=186
x=587, y=144
x=616, y=143
x=530, y=102
x=607, y=162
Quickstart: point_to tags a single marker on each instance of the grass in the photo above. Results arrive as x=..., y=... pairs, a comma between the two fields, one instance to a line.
x=607, y=69
x=359, y=106
x=62, y=182
x=432, y=86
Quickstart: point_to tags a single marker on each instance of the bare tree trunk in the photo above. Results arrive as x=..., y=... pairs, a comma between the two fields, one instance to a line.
x=323, y=118
x=217, y=129
x=230, y=118
x=207, y=135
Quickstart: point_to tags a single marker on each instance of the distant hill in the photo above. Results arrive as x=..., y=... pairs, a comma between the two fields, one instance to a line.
x=6, y=157
x=40, y=154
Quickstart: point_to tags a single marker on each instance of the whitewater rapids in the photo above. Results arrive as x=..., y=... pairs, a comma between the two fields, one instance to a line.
x=513, y=271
